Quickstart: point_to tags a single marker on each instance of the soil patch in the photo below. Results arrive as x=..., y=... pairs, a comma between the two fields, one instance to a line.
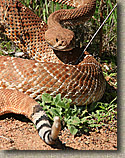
x=18, y=135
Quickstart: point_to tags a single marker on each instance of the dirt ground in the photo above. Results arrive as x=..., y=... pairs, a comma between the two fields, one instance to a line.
x=20, y=134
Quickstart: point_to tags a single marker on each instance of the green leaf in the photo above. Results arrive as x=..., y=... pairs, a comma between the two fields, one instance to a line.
x=61, y=104
x=84, y=112
x=67, y=100
x=74, y=121
x=55, y=111
x=73, y=130
x=84, y=119
x=46, y=98
x=57, y=98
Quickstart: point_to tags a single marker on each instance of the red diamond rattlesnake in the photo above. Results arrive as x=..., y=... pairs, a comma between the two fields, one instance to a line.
x=83, y=83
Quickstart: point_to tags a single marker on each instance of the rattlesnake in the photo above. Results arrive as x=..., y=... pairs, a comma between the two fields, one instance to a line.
x=83, y=83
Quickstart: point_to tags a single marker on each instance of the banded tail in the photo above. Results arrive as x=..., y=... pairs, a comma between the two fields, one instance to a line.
x=13, y=101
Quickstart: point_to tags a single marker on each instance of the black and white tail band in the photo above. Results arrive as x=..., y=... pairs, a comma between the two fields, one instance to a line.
x=46, y=132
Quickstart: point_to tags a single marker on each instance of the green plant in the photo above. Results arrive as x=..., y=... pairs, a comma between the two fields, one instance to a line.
x=76, y=118
x=105, y=112
x=61, y=107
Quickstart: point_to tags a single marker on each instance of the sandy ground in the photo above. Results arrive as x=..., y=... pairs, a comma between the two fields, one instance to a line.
x=20, y=134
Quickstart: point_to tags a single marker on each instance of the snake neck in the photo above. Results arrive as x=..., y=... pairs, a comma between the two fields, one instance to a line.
x=84, y=9
x=63, y=39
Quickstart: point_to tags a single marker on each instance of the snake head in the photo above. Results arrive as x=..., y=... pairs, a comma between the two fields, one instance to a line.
x=60, y=39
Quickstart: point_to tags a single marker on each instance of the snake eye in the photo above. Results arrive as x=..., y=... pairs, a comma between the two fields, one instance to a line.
x=56, y=39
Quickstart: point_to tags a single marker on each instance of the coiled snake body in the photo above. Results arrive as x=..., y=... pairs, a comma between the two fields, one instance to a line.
x=83, y=83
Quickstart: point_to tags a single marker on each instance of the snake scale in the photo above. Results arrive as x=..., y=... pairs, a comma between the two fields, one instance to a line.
x=52, y=47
